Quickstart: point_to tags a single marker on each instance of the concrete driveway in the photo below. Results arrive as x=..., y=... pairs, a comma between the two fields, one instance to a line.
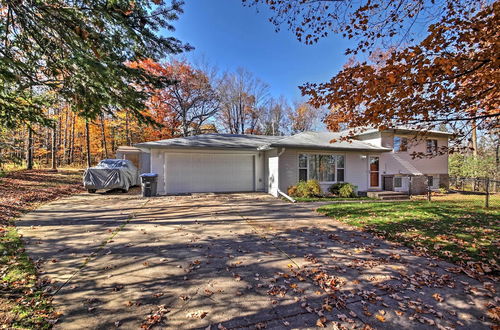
x=236, y=261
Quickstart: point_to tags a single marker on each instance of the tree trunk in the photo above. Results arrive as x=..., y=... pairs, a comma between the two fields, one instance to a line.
x=127, y=130
x=87, y=137
x=48, y=145
x=29, y=150
x=474, y=139
x=113, y=141
x=474, y=153
x=59, y=137
x=65, y=142
x=54, y=147
x=103, y=137
x=497, y=161
x=71, y=157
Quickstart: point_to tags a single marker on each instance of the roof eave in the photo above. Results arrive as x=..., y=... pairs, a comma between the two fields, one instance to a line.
x=404, y=131
x=409, y=131
x=172, y=147
x=316, y=147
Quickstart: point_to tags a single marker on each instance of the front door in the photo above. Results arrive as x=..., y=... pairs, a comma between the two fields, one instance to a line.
x=374, y=172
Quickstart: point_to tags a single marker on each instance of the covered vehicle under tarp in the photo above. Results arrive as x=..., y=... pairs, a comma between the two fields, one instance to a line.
x=111, y=174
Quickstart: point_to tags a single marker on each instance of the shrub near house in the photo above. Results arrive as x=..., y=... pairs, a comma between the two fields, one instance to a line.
x=344, y=190
x=309, y=188
x=312, y=188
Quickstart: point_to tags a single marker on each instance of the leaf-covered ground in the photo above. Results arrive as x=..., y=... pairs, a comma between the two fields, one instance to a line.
x=22, y=303
x=454, y=227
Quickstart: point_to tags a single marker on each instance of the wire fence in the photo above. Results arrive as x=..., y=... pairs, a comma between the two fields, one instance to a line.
x=485, y=189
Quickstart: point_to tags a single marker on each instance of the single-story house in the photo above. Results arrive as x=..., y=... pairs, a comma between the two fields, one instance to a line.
x=374, y=160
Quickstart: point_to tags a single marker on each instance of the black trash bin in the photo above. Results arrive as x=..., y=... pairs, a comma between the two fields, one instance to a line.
x=149, y=182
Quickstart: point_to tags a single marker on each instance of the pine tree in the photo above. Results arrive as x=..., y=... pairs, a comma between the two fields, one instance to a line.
x=78, y=51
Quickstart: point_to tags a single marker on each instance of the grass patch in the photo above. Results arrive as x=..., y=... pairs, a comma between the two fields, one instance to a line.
x=455, y=227
x=328, y=199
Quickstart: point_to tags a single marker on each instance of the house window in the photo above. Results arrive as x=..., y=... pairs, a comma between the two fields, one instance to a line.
x=398, y=182
x=340, y=168
x=432, y=146
x=430, y=180
x=324, y=168
x=400, y=144
x=302, y=167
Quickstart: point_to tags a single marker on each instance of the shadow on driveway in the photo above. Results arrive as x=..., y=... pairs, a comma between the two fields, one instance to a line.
x=242, y=261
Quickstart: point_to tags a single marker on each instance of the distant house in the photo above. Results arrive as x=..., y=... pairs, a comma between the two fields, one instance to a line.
x=374, y=160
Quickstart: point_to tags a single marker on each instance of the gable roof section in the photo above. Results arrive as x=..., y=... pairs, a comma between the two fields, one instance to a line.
x=221, y=141
x=305, y=140
x=322, y=140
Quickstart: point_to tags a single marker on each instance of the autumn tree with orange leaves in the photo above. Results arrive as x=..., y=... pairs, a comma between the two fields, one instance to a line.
x=182, y=108
x=303, y=117
x=449, y=76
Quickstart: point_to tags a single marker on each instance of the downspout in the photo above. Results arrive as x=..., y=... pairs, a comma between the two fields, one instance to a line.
x=279, y=191
x=286, y=196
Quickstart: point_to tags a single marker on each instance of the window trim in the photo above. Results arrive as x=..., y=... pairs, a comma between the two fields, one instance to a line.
x=321, y=154
x=401, y=138
x=434, y=146
x=303, y=168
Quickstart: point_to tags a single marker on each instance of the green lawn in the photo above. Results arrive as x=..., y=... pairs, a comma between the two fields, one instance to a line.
x=328, y=199
x=454, y=227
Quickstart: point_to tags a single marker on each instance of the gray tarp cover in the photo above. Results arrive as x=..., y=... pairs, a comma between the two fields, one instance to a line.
x=111, y=174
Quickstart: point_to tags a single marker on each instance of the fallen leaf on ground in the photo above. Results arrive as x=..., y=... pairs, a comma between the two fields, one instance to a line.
x=494, y=313
x=437, y=297
x=196, y=315
x=321, y=322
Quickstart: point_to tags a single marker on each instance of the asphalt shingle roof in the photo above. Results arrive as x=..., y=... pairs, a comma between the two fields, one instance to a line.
x=231, y=141
x=323, y=140
x=309, y=140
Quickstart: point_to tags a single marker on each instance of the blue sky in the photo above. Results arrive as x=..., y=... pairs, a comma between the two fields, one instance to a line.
x=228, y=35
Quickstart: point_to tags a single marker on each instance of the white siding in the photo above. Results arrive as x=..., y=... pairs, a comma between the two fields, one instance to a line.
x=372, y=138
x=157, y=166
x=356, y=169
x=273, y=172
x=403, y=163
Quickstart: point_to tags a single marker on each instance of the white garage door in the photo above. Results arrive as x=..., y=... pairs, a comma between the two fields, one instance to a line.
x=215, y=172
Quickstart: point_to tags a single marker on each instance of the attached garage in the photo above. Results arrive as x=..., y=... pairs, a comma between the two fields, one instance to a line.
x=209, y=163
x=209, y=172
